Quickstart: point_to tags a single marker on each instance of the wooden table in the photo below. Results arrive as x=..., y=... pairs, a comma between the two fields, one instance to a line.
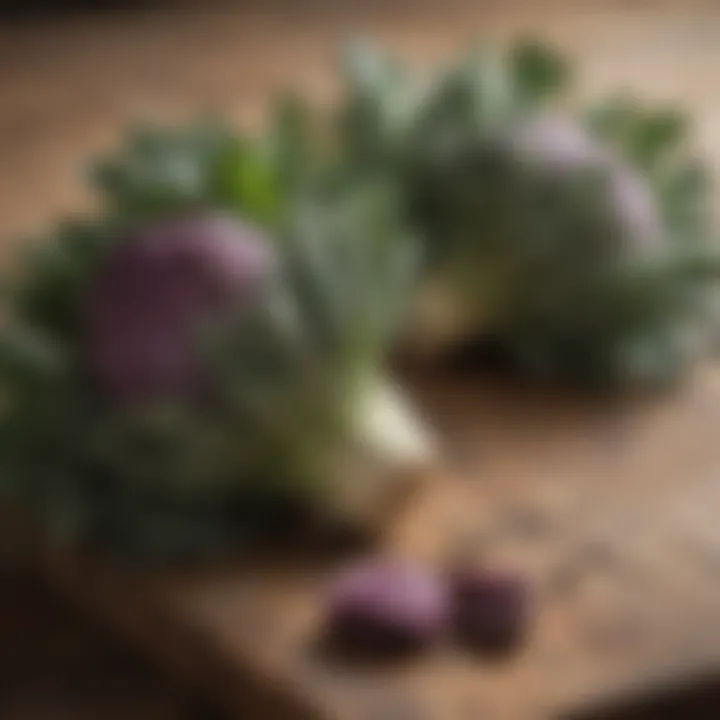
x=57, y=664
x=612, y=509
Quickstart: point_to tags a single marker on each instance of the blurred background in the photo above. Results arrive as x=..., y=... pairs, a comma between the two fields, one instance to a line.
x=73, y=73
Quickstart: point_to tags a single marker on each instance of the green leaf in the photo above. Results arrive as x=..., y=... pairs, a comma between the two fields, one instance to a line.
x=611, y=118
x=367, y=70
x=646, y=136
x=374, y=120
x=293, y=141
x=684, y=193
x=539, y=73
x=685, y=184
x=653, y=137
x=162, y=169
x=28, y=354
x=256, y=184
x=51, y=275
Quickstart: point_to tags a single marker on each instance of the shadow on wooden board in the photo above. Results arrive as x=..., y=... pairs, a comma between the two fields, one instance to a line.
x=699, y=700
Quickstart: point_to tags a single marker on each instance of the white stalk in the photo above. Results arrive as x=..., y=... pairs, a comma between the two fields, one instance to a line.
x=391, y=454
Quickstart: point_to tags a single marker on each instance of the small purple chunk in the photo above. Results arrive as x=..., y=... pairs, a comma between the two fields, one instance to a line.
x=491, y=609
x=561, y=147
x=387, y=606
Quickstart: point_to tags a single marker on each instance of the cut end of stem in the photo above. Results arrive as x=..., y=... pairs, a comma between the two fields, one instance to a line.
x=392, y=454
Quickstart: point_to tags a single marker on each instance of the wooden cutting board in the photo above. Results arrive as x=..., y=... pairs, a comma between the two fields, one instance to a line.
x=611, y=508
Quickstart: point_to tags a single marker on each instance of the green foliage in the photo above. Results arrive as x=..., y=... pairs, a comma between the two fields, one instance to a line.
x=646, y=136
x=374, y=122
x=389, y=115
x=160, y=170
x=657, y=140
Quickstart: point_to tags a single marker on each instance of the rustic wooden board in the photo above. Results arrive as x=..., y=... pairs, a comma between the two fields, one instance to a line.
x=610, y=508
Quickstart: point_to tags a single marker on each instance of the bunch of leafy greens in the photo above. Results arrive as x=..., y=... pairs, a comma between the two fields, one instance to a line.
x=577, y=241
x=174, y=479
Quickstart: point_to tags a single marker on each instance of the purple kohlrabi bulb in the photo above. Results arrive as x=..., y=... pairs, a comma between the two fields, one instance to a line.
x=559, y=145
x=150, y=299
x=636, y=209
x=555, y=142
x=387, y=606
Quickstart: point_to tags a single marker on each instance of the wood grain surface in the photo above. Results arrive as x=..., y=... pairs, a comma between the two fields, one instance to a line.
x=612, y=509
x=58, y=664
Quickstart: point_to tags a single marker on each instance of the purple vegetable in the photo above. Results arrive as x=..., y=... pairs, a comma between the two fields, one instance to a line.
x=490, y=608
x=530, y=224
x=554, y=142
x=156, y=291
x=560, y=146
x=387, y=606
